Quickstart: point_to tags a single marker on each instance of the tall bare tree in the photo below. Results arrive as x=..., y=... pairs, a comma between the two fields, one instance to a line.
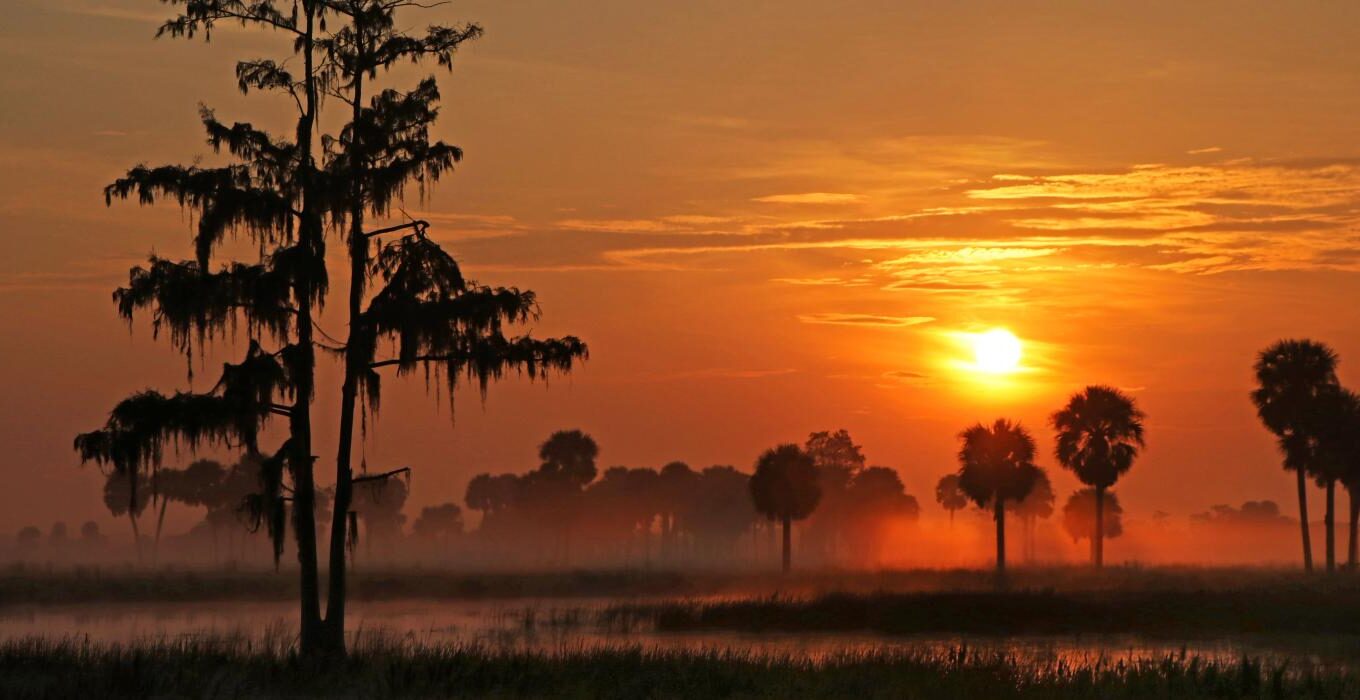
x=279, y=192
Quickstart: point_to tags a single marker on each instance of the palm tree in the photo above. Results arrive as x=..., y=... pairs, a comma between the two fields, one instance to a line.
x=121, y=496
x=785, y=488
x=1100, y=432
x=996, y=465
x=1291, y=375
x=1338, y=460
x=569, y=455
x=1036, y=505
x=950, y=496
x=1079, y=517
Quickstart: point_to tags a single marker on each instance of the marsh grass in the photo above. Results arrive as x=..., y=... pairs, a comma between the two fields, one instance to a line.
x=1265, y=610
x=386, y=667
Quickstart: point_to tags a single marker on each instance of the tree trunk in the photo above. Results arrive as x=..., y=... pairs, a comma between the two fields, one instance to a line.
x=771, y=547
x=1303, y=521
x=136, y=535
x=160, y=523
x=788, y=544
x=1329, y=523
x=1100, y=527
x=1354, y=527
x=1000, y=537
x=310, y=237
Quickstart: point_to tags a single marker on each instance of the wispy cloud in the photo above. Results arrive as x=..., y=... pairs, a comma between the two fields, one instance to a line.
x=845, y=319
x=810, y=198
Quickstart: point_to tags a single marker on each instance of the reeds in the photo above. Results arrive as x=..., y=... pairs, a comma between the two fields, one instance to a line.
x=382, y=667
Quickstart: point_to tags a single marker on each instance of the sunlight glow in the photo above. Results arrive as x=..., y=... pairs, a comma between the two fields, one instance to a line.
x=997, y=351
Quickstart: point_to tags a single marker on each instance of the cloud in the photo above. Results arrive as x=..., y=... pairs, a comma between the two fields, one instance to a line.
x=823, y=281
x=678, y=223
x=844, y=319
x=1200, y=151
x=810, y=198
x=719, y=373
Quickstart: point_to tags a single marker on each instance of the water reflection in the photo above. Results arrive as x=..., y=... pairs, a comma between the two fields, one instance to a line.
x=556, y=625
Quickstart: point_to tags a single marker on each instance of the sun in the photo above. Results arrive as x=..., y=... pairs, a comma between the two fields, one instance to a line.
x=997, y=351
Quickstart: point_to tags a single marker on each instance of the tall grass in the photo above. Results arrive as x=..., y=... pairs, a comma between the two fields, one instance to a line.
x=379, y=667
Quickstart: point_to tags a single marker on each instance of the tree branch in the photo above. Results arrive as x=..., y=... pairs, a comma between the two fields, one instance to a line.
x=379, y=477
x=420, y=225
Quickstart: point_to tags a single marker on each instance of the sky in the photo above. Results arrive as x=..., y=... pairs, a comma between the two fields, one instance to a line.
x=766, y=218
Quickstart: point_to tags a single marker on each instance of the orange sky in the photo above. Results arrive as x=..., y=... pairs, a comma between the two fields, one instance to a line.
x=766, y=218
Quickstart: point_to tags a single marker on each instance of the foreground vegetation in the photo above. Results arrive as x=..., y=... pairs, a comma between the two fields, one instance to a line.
x=237, y=668
x=1277, y=610
x=28, y=584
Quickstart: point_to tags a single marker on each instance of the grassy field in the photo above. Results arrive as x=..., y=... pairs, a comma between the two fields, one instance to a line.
x=237, y=668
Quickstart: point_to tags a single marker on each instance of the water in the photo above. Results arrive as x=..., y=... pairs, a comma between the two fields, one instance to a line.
x=555, y=625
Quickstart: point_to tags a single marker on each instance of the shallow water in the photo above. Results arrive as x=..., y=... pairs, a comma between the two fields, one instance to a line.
x=569, y=624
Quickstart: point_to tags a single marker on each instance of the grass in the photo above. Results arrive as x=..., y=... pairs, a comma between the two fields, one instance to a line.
x=386, y=668
x=1280, y=609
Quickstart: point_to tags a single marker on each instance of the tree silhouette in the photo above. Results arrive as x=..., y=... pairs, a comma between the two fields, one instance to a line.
x=1036, y=505
x=28, y=538
x=273, y=194
x=876, y=497
x=378, y=505
x=678, y=484
x=437, y=318
x=785, y=488
x=57, y=536
x=122, y=498
x=569, y=455
x=950, y=496
x=278, y=193
x=1291, y=375
x=491, y=494
x=838, y=460
x=92, y=542
x=439, y=523
x=1080, y=513
x=1100, y=432
x=996, y=465
x=719, y=510
x=1338, y=459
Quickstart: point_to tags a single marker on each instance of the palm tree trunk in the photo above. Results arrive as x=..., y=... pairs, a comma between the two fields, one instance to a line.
x=1329, y=522
x=788, y=544
x=136, y=535
x=1303, y=521
x=1000, y=537
x=1354, y=527
x=1100, y=527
